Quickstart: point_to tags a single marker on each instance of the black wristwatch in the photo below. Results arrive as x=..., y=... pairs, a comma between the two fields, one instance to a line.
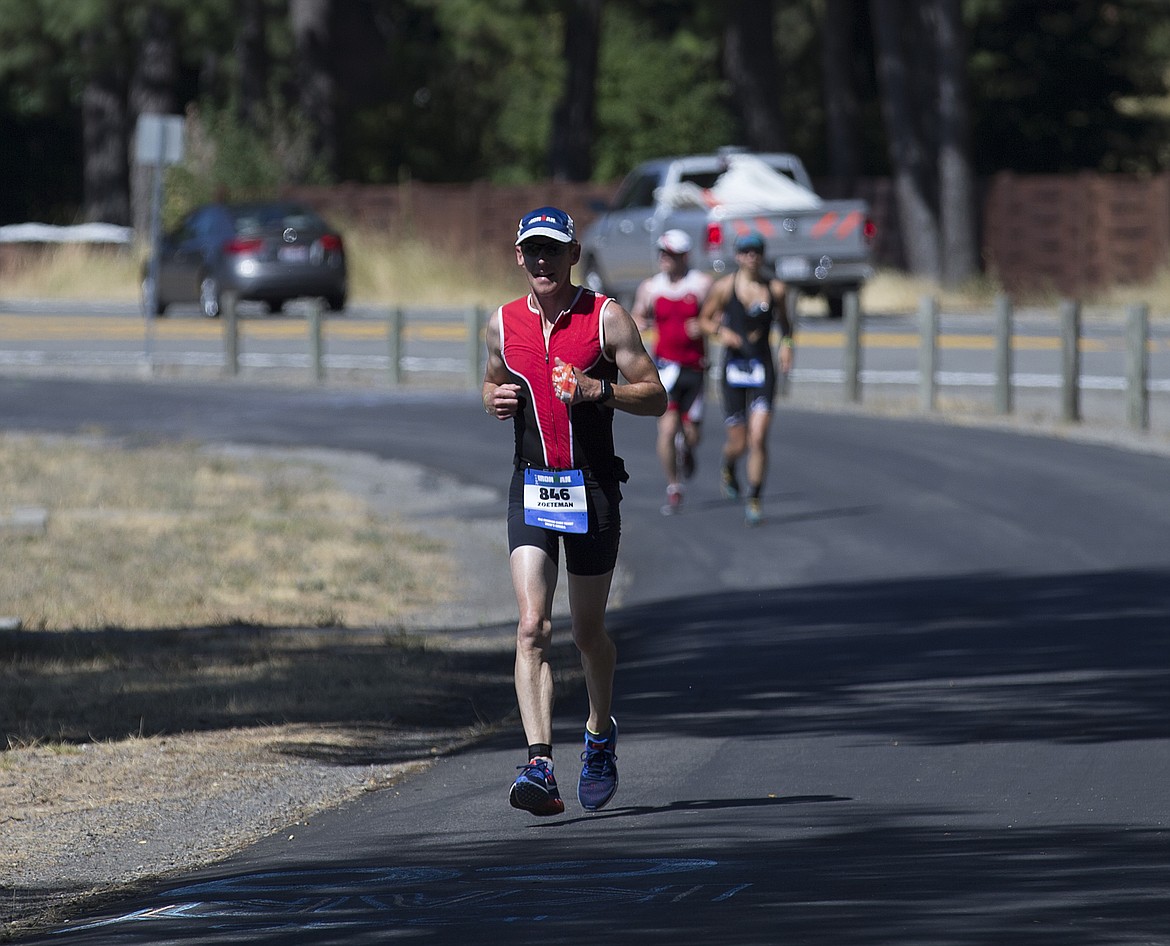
x=606, y=392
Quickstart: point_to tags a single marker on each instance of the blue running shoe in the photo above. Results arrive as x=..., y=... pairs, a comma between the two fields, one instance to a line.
x=535, y=790
x=752, y=513
x=599, y=776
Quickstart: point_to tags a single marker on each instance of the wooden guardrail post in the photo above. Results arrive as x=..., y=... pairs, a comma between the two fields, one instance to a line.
x=852, y=314
x=927, y=352
x=394, y=320
x=1070, y=360
x=1137, y=366
x=231, y=333
x=316, y=346
x=1003, y=354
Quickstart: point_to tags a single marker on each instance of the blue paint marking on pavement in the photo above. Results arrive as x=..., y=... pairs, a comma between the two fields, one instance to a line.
x=319, y=880
x=581, y=870
x=381, y=897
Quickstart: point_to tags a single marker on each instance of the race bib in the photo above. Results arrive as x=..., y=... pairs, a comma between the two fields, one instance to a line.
x=556, y=501
x=745, y=373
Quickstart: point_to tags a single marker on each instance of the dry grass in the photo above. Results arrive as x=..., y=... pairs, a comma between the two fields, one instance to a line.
x=381, y=272
x=395, y=272
x=72, y=271
x=155, y=537
x=176, y=589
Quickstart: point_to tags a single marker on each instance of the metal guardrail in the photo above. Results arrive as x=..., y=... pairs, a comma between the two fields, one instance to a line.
x=1137, y=341
x=474, y=324
x=447, y=344
x=1137, y=358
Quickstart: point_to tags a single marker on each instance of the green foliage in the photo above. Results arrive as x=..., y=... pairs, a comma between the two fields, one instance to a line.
x=503, y=76
x=659, y=93
x=798, y=50
x=460, y=90
x=225, y=159
x=1049, y=79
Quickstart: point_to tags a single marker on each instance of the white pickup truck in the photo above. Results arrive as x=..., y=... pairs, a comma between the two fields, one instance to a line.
x=821, y=247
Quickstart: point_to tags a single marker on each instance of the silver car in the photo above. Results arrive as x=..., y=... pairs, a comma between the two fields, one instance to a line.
x=265, y=252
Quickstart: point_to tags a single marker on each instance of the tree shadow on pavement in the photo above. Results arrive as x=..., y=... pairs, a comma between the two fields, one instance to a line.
x=1067, y=658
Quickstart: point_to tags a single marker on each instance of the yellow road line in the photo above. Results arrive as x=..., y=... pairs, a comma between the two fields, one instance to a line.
x=50, y=328
x=953, y=342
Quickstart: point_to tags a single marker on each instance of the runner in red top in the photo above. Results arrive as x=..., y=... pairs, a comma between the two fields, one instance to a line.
x=547, y=435
x=553, y=358
x=670, y=300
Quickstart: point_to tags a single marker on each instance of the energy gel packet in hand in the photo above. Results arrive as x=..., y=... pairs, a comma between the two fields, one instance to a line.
x=564, y=382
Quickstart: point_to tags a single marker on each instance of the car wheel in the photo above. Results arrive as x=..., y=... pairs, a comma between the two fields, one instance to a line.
x=836, y=301
x=210, y=302
x=151, y=304
x=335, y=303
x=836, y=304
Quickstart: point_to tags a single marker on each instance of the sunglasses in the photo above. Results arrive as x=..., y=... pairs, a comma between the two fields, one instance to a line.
x=544, y=250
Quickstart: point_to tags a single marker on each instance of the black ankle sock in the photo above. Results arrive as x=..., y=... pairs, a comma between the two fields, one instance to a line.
x=540, y=750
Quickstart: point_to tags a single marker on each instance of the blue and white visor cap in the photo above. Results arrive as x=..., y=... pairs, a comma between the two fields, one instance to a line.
x=546, y=222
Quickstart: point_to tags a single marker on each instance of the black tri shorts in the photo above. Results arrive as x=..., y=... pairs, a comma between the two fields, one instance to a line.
x=586, y=553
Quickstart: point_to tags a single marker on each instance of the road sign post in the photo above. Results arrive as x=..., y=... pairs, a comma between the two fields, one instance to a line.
x=158, y=144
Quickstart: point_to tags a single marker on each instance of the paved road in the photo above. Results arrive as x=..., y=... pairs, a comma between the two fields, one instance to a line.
x=926, y=702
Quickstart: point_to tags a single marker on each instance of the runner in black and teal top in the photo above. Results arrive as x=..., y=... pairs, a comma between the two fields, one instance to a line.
x=739, y=313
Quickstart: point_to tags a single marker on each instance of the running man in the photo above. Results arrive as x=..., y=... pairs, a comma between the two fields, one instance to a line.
x=739, y=313
x=670, y=300
x=553, y=360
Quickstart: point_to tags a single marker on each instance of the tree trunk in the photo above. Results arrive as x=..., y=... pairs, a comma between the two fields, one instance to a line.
x=318, y=92
x=570, y=151
x=749, y=62
x=909, y=158
x=841, y=109
x=104, y=134
x=955, y=169
x=151, y=92
x=252, y=62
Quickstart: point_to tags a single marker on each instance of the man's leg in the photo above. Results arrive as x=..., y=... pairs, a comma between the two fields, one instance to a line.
x=588, y=596
x=534, y=578
x=599, y=777
x=667, y=449
x=690, y=408
x=668, y=425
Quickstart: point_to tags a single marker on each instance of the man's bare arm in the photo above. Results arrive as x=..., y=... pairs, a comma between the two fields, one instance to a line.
x=501, y=397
